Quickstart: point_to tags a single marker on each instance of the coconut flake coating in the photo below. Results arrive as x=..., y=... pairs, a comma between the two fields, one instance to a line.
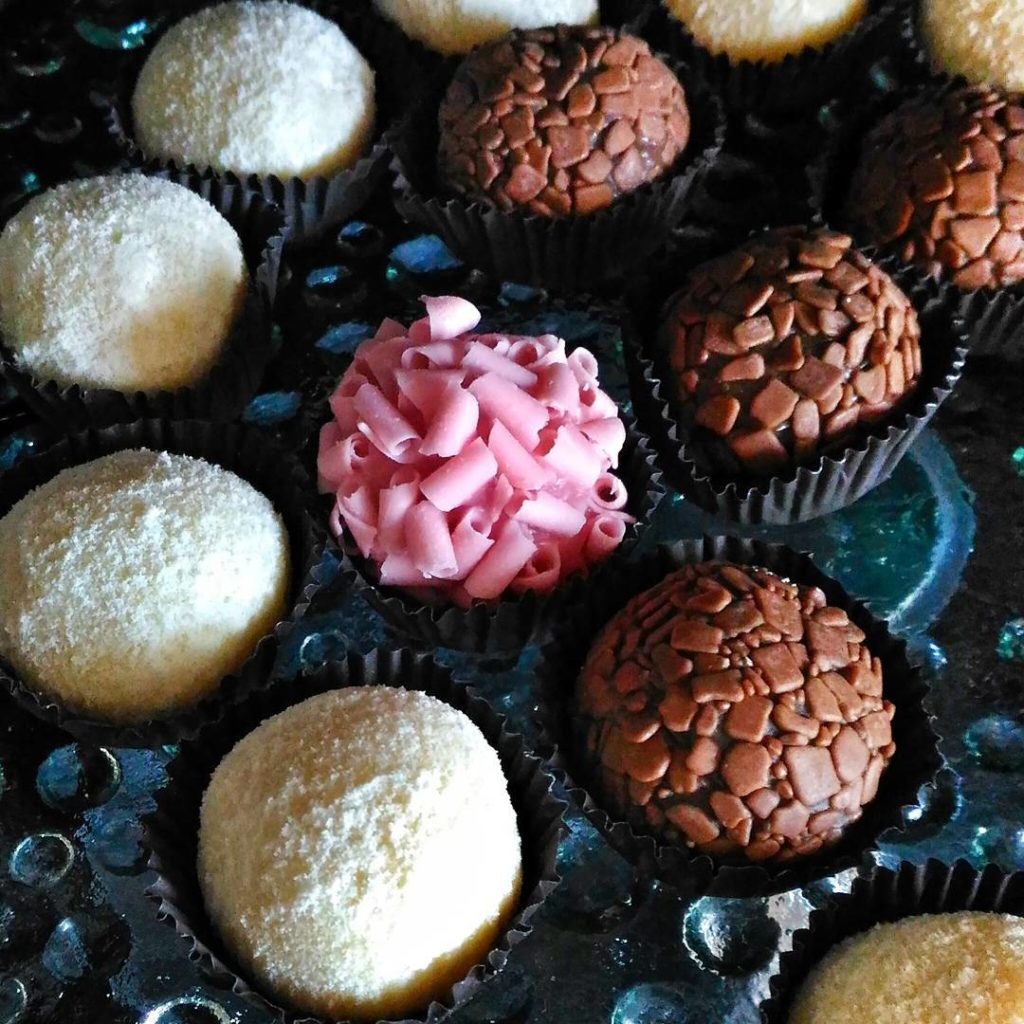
x=966, y=967
x=123, y=282
x=359, y=852
x=255, y=88
x=983, y=40
x=456, y=26
x=767, y=30
x=131, y=585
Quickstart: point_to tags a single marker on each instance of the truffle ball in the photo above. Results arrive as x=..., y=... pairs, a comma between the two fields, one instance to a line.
x=134, y=583
x=456, y=26
x=470, y=465
x=123, y=282
x=737, y=713
x=255, y=88
x=766, y=30
x=359, y=852
x=782, y=348
x=940, y=181
x=982, y=40
x=560, y=121
x=932, y=969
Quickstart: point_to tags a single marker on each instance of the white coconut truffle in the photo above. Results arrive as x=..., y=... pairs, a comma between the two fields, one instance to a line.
x=122, y=282
x=766, y=30
x=456, y=26
x=965, y=967
x=131, y=585
x=255, y=88
x=983, y=40
x=359, y=852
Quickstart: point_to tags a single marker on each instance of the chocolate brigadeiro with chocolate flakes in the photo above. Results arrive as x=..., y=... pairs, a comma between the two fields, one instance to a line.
x=735, y=712
x=940, y=182
x=560, y=121
x=782, y=348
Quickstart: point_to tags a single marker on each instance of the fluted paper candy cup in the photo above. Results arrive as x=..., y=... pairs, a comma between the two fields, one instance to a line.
x=798, y=82
x=883, y=894
x=477, y=475
x=556, y=253
x=797, y=488
x=235, y=377
x=682, y=862
x=315, y=205
x=244, y=451
x=171, y=830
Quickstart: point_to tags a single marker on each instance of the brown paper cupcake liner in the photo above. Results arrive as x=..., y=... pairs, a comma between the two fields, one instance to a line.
x=314, y=206
x=172, y=829
x=797, y=83
x=832, y=480
x=223, y=393
x=915, y=763
x=243, y=450
x=505, y=626
x=557, y=254
x=889, y=894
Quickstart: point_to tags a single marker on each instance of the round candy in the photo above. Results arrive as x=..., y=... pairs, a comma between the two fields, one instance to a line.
x=473, y=464
x=982, y=40
x=966, y=967
x=767, y=30
x=782, y=348
x=737, y=713
x=134, y=583
x=560, y=121
x=123, y=282
x=456, y=26
x=255, y=88
x=359, y=852
x=940, y=181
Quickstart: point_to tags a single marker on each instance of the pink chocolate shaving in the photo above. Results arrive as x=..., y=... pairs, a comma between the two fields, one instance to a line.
x=473, y=464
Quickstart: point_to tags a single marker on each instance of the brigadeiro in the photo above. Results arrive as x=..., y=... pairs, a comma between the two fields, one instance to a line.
x=560, y=121
x=468, y=464
x=940, y=182
x=735, y=712
x=784, y=347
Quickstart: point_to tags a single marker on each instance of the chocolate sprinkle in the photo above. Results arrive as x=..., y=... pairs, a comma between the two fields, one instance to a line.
x=560, y=121
x=785, y=346
x=737, y=713
x=941, y=182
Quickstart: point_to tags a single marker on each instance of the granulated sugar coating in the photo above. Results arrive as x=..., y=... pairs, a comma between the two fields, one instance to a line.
x=123, y=282
x=256, y=88
x=359, y=852
x=456, y=26
x=983, y=40
x=966, y=968
x=766, y=30
x=132, y=584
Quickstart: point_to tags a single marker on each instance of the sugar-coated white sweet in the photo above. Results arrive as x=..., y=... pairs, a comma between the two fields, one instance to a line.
x=965, y=967
x=359, y=852
x=123, y=282
x=132, y=584
x=983, y=40
x=766, y=30
x=256, y=88
x=456, y=26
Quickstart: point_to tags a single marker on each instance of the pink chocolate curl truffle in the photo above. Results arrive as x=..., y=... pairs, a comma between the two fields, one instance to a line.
x=473, y=464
